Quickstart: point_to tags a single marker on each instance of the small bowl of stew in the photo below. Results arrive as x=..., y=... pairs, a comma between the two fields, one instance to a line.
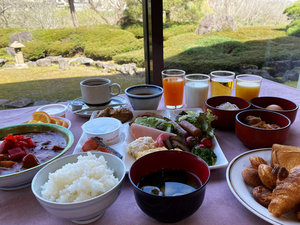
x=26, y=148
x=172, y=188
x=144, y=96
x=276, y=104
x=261, y=128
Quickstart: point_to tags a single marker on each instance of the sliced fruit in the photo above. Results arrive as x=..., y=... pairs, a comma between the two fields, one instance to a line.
x=59, y=122
x=41, y=116
x=52, y=120
x=32, y=121
x=65, y=124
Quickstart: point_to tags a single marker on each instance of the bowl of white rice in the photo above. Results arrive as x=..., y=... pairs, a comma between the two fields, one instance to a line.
x=79, y=187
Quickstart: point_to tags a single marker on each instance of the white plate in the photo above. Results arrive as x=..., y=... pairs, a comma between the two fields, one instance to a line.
x=126, y=138
x=87, y=114
x=242, y=191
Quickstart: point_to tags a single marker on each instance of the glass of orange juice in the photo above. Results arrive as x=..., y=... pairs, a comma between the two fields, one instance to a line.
x=221, y=83
x=173, y=85
x=247, y=86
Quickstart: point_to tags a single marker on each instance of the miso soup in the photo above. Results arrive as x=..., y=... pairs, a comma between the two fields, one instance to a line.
x=169, y=182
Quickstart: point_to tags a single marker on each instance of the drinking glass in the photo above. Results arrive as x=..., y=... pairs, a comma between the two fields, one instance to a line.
x=173, y=85
x=247, y=86
x=196, y=90
x=221, y=83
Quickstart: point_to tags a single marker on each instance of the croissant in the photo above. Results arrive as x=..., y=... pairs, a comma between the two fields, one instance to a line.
x=286, y=195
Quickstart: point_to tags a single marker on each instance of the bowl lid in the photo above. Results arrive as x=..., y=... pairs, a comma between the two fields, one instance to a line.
x=54, y=109
x=102, y=125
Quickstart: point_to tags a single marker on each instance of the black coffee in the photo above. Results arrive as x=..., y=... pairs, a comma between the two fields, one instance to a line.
x=94, y=83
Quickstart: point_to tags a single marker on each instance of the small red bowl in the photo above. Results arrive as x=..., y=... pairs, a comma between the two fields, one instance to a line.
x=289, y=108
x=253, y=137
x=169, y=209
x=226, y=118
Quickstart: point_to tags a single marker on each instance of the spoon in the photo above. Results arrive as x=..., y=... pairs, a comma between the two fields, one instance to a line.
x=96, y=108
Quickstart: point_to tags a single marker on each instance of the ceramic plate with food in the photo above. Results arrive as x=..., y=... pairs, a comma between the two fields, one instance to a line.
x=87, y=110
x=243, y=191
x=126, y=138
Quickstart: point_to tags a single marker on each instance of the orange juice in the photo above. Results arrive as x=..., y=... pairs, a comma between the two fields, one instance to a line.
x=247, y=90
x=173, y=91
x=221, y=86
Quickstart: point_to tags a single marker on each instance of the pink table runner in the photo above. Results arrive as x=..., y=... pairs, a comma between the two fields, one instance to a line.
x=219, y=206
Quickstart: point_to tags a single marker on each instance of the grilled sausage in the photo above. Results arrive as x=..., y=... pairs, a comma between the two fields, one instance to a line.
x=190, y=128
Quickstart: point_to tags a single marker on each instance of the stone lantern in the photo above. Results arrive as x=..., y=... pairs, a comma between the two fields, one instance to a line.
x=17, y=46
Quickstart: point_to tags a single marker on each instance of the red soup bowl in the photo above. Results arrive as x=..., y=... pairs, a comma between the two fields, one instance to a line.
x=289, y=108
x=183, y=166
x=253, y=137
x=226, y=118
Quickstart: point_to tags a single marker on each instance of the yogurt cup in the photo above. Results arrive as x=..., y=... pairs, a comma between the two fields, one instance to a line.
x=107, y=128
x=54, y=109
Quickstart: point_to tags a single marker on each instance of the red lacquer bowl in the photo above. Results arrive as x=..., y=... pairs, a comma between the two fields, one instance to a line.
x=226, y=118
x=253, y=137
x=169, y=208
x=289, y=108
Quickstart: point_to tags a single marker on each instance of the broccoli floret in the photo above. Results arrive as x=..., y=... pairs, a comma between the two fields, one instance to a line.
x=206, y=154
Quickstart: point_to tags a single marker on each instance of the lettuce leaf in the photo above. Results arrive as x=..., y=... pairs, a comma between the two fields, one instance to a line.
x=200, y=120
x=157, y=123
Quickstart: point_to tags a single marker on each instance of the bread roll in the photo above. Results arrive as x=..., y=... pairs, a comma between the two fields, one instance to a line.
x=285, y=156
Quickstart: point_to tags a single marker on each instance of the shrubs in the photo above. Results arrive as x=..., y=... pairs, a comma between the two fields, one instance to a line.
x=99, y=42
x=63, y=48
x=106, y=43
x=5, y=35
x=136, y=29
x=136, y=56
x=294, y=28
x=34, y=50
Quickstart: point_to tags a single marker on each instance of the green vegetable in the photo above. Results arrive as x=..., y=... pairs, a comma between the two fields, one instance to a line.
x=157, y=123
x=201, y=120
x=206, y=154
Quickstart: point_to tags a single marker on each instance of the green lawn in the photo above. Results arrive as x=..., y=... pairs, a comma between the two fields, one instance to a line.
x=47, y=83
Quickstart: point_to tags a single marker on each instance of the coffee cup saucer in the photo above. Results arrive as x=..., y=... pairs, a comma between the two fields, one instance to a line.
x=84, y=112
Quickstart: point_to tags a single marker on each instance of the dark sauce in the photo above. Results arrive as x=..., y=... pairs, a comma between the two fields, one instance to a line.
x=48, y=145
x=169, y=182
x=143, y=94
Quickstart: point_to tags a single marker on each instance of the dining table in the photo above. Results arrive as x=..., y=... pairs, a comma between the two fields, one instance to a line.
x=219, y=206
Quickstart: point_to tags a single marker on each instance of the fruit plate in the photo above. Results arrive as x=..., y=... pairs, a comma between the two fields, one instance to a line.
x=125, y=138
x=242, y=191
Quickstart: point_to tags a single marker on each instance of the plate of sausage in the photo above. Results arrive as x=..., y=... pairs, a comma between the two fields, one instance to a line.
x=133, y=130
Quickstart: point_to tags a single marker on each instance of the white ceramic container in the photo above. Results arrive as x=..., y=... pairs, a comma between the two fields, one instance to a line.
x=85, y=211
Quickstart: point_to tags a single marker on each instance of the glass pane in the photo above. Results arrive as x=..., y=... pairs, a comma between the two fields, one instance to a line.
x=62, y=46
x=245, y=36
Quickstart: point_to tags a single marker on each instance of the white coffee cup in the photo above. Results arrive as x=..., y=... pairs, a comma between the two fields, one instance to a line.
x=96, y=91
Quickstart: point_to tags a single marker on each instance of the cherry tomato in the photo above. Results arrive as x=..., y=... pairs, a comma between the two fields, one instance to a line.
x=207, y=142
x=200, y=146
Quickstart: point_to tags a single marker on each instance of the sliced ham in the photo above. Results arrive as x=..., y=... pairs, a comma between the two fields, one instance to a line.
x=138, y=130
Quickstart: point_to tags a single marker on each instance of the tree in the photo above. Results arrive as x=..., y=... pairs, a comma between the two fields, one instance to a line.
x=4, y=6
x=111, y=11
x=174, y=10
x=73, y=13
x=293, y=13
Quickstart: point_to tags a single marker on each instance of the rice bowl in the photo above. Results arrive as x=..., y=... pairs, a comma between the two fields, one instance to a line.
x=85, y=211
x=79, y=181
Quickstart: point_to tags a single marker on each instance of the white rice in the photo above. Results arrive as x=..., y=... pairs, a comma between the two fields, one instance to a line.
x=228, y=106
x=74, y=182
